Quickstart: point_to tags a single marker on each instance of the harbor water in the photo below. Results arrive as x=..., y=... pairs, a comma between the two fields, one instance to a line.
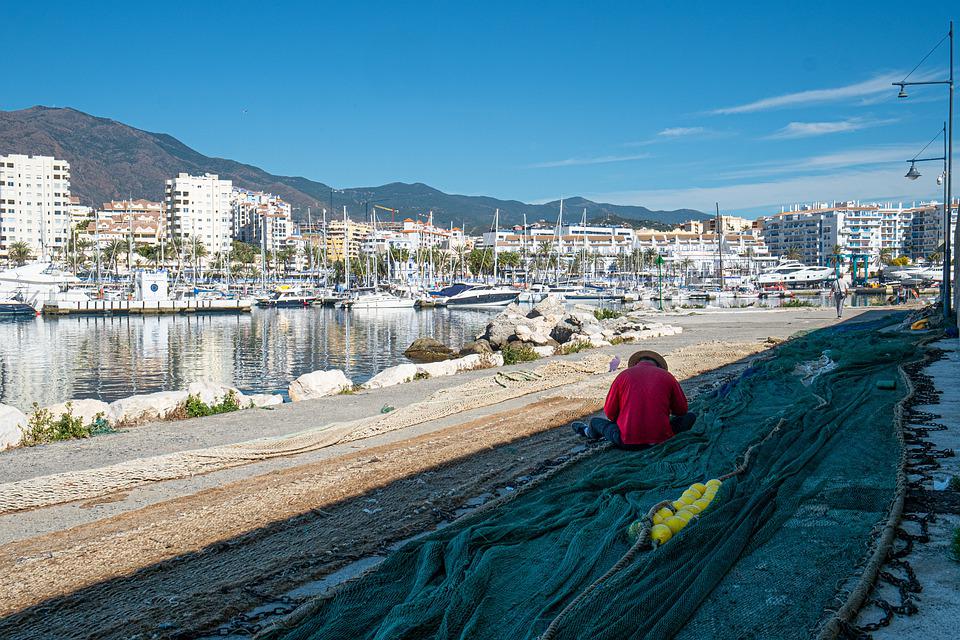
x=52, y=359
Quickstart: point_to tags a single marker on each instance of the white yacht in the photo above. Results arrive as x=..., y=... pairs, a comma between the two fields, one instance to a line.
x=794, y=274
x=33, y=285
x=376, y=300
x=483, y=295
x=914, y=275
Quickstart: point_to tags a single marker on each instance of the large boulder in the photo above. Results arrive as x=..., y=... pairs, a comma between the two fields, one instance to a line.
x=544, y=352
x=563, y=331
x=480, y=361
x=551, y=309
x=438, y=369
x=479, y=346
x=428, y=350
x=86, y=409
x=212, y=392
x=501, y=329
x=143, y=408
x=261, y=400
x=12, y=423
x=318, y=384
x=392, y=376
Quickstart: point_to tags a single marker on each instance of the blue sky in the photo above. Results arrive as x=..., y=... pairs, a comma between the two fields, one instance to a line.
x=665, y=104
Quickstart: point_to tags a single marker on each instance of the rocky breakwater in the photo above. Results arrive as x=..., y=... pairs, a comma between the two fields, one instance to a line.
x=550, y=328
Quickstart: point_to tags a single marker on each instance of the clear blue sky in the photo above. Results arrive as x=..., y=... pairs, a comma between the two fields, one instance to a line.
x=662, y=104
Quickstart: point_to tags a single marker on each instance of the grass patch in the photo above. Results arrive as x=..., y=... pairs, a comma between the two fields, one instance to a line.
x=574, y=347
x=954, y=484
x=955, y=545
x=194, y=407
x=421, y=375
x=515, y=353
x=796, y=304
x=42, y=427
x=606, y=314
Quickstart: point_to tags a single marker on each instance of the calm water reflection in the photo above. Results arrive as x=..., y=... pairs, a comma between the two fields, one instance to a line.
x=54, y=359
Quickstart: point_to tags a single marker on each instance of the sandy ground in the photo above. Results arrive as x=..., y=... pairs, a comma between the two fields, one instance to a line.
x=174, y=558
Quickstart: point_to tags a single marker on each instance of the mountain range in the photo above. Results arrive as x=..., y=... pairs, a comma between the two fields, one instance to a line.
x=111, y=160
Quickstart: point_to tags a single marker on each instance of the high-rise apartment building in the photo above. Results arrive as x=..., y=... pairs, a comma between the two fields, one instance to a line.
x=262, y=219
x=34, y=201
x=200, y=208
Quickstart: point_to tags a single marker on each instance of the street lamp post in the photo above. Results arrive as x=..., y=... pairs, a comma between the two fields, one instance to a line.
x=913, y=174
x=948, y=177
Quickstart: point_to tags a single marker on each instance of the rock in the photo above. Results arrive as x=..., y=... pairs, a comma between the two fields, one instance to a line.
x=392, y=376
x=478, y=346
x=428, y=350
x=596, y=340
x=212, y=392
x=438, y=369
x=544, y=352
x=12, y=421
x=549, y=307
x=591, y=329
x=85, y=409
x=563, y=331
x=501, y=329
x=523, y=333
x=143, y=408
x=480, y=361
x=319, y=384
x=261, y=400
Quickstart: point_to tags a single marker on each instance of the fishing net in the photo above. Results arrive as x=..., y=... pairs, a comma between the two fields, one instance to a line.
x=765, y=560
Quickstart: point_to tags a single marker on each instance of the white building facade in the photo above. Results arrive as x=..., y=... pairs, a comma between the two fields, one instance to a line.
x=263, y=219
x=200, y=208
x=34, y=203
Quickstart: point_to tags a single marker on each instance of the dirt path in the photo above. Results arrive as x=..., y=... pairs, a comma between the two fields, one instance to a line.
x=181, y=566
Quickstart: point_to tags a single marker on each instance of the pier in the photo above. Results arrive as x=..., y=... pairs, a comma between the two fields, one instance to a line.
x=146, y=307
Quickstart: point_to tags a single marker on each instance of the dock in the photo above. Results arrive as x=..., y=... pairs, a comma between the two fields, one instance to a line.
x=145, y=307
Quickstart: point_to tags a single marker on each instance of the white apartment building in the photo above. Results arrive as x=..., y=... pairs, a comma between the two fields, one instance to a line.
x=34, y=201
x=926, y=229
x=694, y=252
x=817, y=231
x=200, y=208
x=263, y=219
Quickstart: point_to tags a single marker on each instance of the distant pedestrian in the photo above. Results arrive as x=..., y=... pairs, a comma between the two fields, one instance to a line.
x=840, y=289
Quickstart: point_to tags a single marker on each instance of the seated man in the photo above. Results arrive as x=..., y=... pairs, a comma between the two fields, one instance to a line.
x=639, y=406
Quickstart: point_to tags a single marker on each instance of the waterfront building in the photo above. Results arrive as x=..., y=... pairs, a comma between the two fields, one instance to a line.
x=79, y=214
x=262, y=219
x=137, y=221
x=608, y=248
x=730, y=224
x=199, y=208
x=815, y=233
x=346, y=239
x=34, y=201
x=926, y=230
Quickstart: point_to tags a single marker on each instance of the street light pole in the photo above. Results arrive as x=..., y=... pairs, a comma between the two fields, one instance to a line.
x=948, y=177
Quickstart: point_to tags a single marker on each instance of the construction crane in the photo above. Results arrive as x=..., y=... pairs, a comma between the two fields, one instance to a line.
x=392, y=211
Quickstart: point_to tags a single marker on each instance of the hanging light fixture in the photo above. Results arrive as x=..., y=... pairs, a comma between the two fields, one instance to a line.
x=912, y=174
x=903, y=91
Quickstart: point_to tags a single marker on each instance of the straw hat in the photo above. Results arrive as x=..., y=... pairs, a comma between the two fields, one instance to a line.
x=648, y=355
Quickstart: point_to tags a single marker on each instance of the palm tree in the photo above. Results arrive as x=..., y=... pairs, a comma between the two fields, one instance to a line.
x=114, y=249
x=793, y=254
x=20, y=252
x=149, y=252
x=886, y=255
x=508, y=260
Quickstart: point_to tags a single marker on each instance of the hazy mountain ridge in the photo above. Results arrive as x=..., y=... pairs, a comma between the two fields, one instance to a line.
x=110, y=160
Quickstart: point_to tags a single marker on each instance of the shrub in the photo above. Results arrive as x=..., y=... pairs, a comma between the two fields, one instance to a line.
x=421, y=375
x=194, y=407
x=574, y=347
x=606, y=314
x=514, y=353
x=794, y=304
x=42, y=427
x=955, y=545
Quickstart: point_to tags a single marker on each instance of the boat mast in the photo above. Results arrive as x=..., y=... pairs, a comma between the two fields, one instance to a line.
x=720, y=243
x=583, y=260
x=345, y=252
x=310, y=226
x=326, y=266
x=559, y=234
x=496, y=228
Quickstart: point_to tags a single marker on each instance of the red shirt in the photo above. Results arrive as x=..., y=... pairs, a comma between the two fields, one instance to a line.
x=641, y=400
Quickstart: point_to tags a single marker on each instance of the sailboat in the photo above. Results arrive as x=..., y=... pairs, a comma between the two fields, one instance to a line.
x=485, y=295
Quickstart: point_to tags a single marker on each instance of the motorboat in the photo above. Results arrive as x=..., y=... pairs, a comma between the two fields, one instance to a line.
x=33, y=284
x=17, y=307
x=482, y=295
x=569, y=293
x=287, y=299
x=794, y=274
x=376, y=300
x=915, y=275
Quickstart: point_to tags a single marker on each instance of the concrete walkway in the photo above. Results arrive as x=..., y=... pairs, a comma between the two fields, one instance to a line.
x=937, y=572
